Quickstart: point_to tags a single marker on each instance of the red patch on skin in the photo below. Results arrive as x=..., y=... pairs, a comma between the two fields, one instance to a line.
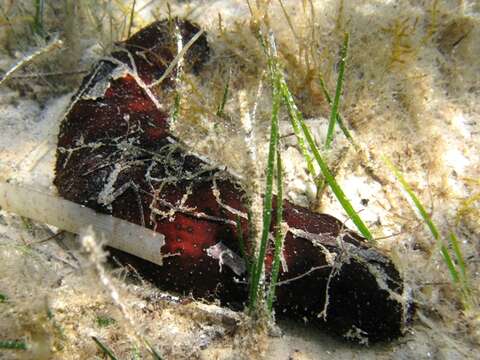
x=133, y=97
x=188, y=236
x=155, y=133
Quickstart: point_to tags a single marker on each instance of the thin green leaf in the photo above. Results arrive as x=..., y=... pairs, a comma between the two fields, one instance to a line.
x=278, y=234
x=104, y=321
x=221, y=106
x=154, y=353
x=297, y=121
x=267, y=204
x=294, y=116
x=338, y=93
x=104, y=348
x=451, y=266
x=176, y=108
x=273, y=67
x=38, y=19
x=464, y=279
x=413, y=197
x=132, y=15
x=459, y=255
x=257, y=268
x=136, y=355
x=251, y=275
x=340, y=121
x=13, y=345
x=336, y=189
x=324, y=89
x=426, y=218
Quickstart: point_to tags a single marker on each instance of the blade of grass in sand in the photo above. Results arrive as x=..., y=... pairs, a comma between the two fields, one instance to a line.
x=295, y=115
x=297, y=121
x=274, y=68
x=267, y=204
x=176, y=108
x=154, y=353
x=278, y=234
x=132, y=15
x=340, y=121
x=13, y=345
x=426, y=218
x=458, y=254
x=38, y=19
x=104, y=348
x=338, y=93
x=292, y=111
x=464, y=278
x=221, y=106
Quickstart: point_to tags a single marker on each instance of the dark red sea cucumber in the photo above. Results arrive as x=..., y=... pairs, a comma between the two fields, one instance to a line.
x=116, y=155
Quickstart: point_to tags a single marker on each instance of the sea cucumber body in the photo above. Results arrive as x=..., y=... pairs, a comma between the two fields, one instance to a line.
x=116, y=155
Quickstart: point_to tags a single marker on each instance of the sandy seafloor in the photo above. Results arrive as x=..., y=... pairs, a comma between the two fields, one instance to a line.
x=424, y=115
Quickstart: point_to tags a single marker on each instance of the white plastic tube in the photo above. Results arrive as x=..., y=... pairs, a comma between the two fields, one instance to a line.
x=67, y=215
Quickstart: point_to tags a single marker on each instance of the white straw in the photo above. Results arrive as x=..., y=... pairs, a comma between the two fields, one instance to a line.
x=67, y=215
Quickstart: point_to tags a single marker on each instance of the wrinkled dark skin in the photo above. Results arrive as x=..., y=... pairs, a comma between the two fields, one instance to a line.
x=124, y=131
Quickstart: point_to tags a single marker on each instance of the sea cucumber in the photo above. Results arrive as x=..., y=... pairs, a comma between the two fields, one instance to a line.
x=117, y=156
